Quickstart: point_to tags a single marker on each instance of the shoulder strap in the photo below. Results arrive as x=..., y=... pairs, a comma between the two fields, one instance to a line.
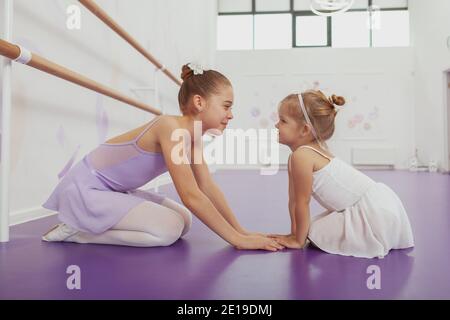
x=152, y=122
x=321, y=153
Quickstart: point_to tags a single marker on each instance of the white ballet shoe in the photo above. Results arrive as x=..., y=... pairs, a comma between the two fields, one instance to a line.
x=60, y=232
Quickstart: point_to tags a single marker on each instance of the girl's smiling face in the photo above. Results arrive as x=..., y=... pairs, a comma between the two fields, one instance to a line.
x=215, y=112
x=219, y=113
x=288, y=127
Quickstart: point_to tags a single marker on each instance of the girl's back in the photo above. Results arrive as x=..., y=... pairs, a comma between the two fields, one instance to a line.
x=124, y=166
x=338, y=185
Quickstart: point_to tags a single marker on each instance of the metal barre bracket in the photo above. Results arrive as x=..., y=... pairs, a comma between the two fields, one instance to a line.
x=25, y=55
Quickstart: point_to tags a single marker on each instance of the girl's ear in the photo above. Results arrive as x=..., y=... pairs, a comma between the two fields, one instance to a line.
x=199, y=102
x=305, y=130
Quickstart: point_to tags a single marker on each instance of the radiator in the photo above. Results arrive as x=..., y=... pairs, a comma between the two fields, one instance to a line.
x=373, y=157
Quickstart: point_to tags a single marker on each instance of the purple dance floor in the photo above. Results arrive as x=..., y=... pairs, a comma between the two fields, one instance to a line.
x=203, y=266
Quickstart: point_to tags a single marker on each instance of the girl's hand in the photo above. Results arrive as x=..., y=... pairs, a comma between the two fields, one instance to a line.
x=289, y=241
x=255, y=242
x=280, y=235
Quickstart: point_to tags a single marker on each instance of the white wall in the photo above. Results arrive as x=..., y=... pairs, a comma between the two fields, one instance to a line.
x=447, y=130
x=51, y=117
x=430, y=30
x=413, y=96
x=368, y=78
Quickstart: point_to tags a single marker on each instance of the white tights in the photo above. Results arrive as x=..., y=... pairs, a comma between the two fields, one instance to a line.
x=147, y=225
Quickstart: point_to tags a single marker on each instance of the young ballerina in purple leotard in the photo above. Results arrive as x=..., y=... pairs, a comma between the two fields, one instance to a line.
x=98, y=200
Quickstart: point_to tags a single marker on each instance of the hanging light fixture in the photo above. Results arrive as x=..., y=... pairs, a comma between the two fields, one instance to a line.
x=329, y=8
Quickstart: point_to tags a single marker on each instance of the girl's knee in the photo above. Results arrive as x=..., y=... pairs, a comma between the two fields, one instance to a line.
x=187, y=220
x=171, y=231
x=143, y=239
x=169, y=239
x=149, y=240
x=182, y=211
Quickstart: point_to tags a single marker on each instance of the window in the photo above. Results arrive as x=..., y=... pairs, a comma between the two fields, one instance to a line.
x=301, y=5
x=272, y=5
x=280, y=24
x=389, y=4
x=311, y=31
x=350, y=29
x=273, y=31
x=235, y=6
x=235, y=32
x=391, y=29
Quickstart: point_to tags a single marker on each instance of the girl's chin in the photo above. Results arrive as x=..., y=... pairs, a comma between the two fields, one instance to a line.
x=215, y=131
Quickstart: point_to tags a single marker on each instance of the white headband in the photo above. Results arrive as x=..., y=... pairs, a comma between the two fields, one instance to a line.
x=308, y=121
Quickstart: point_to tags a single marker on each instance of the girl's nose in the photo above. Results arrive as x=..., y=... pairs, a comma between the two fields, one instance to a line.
x=230, y=115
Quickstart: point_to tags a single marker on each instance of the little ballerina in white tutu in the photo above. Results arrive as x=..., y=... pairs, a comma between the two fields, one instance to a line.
x=363, y=218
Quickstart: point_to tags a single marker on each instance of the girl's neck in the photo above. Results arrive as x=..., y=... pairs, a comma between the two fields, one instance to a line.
x=299, y=144
x=193, y=125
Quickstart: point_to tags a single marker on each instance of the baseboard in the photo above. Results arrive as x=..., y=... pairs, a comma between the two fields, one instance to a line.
x=374, y=167
x=28, y=215
x=376, y=156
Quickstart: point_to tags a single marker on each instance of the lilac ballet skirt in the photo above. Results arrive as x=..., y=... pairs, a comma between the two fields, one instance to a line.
x=98, y=191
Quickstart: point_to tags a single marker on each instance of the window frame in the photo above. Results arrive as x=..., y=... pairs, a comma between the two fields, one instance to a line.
x=300, y=13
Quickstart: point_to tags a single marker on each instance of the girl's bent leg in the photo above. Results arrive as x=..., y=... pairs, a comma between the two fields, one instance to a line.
x=146, y=225
x=182, y=211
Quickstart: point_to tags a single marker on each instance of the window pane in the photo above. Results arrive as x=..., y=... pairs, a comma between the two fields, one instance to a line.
x=360, y=4
x=311, y=31
x=235, y=32
x=302, y=5
x=273, y=5
x=391, y=29
x=350, y=29
x=235, y=5
x=390, y=3
x=273, y=31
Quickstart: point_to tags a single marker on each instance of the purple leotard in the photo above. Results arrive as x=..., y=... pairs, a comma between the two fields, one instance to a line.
x=102, y=188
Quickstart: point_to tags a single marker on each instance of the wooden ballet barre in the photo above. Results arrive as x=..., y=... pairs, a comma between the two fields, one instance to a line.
x=102, y=15
x=24, y=56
